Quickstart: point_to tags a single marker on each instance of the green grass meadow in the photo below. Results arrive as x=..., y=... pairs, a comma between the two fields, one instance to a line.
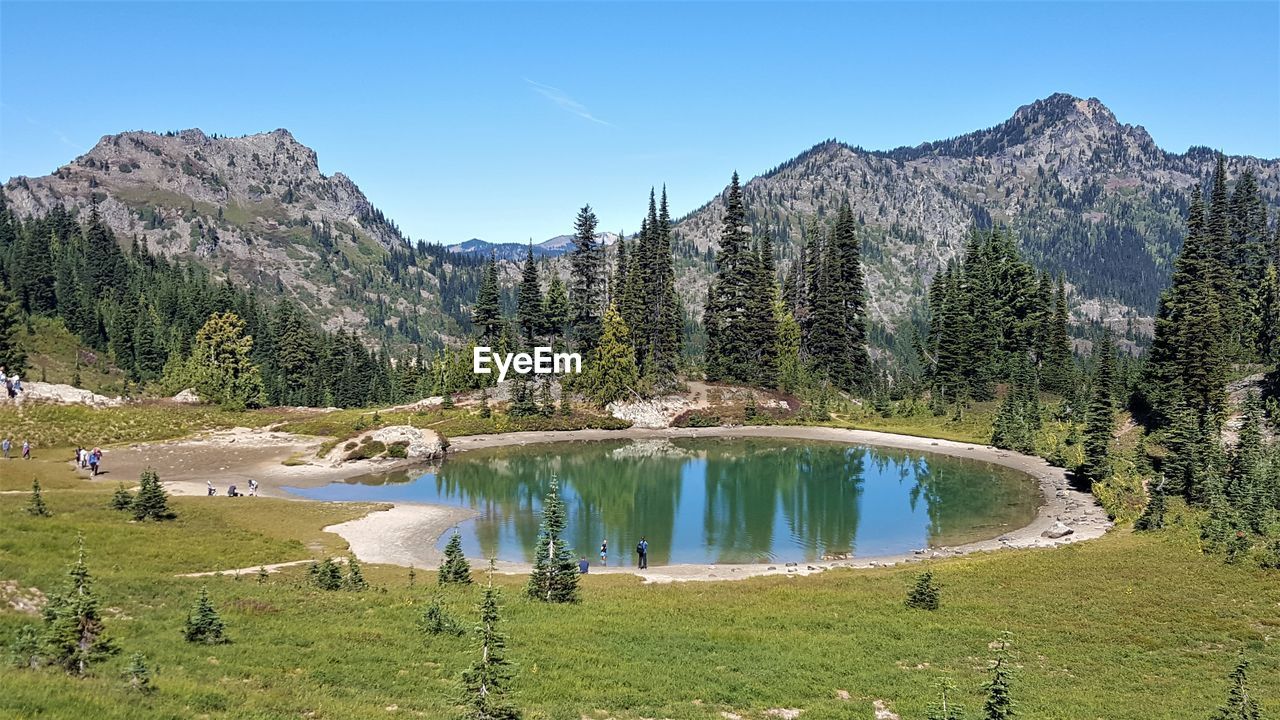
x=1127, y=626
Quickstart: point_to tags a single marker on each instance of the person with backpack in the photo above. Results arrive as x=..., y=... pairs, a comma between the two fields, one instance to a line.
x=642, y=550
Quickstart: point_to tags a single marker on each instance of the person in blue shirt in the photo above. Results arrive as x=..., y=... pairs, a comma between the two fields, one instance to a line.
x=583, y=566
x=642, y=550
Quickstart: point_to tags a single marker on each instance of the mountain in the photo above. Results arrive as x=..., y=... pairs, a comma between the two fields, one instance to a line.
x=258, y=211
x=1086, y=194
x=554, y=247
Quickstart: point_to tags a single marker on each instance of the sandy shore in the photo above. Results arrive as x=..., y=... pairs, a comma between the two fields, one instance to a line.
x=407, y=534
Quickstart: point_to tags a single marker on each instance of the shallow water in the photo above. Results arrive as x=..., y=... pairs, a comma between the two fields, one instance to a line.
x=715, y=500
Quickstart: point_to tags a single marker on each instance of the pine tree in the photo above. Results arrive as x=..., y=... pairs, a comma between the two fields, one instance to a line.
x=945, y=708
x=999, y=704
x=454, y=568
x=925, y=594
x=12, y=357
x=586, y=262
x=484, y=684
x=1056, y=367
x=138, y=675
x=1241, y=704
x=435, y=621
x=354, y=577
x=1246, y=487
x=555, y=573
x=74, y=636
x=611, y=372
x=203, y=624
x=851, y=293
x=487, y=315
x=555, y=309
x=325, y=575
x=121, y=499
x=37, y=506
x=1100, y=416
x=151, y=502
x=529, y=311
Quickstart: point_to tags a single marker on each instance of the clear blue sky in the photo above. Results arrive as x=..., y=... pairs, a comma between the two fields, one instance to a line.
x=499, y=121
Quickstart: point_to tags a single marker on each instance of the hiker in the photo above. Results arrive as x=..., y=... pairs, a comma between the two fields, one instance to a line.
x=79, y=452
x=231, y=491
x=604, y=552
x=642, y=549
x=26, y=449
x=17, y=385
x=212, y=492
x=93, y=463
x=253, y=487
x=6, y=446
x=583, y=565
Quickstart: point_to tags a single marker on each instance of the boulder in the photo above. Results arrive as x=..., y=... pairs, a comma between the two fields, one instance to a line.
x=657, y=412
x=1057, y=531
x=187, y=397
x=58, y=394
x=422, y=444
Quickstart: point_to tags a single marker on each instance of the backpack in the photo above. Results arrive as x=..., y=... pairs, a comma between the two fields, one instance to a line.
x=640, y=548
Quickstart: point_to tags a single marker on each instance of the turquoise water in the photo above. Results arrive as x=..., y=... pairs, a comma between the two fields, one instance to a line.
x=715, y=500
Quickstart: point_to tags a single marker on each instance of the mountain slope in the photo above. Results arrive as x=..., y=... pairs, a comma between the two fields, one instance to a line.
x=1087, y=195
x=257, y=210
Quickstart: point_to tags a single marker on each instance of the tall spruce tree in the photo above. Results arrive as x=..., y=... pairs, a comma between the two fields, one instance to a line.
x=611, y=372
x=13, y=358
x=554, y=578
x=530, y=302
x=486, y=317
x=586, y=287
x=1100, y=415
x=484, y=684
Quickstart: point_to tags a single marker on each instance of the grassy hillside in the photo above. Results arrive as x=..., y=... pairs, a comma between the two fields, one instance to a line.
x=1127, y=626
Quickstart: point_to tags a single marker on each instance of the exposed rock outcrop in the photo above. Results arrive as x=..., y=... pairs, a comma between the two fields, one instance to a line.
x=58, y=394
x=396, y=442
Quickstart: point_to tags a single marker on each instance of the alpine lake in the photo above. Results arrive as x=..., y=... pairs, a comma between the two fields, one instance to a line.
x=713, y=500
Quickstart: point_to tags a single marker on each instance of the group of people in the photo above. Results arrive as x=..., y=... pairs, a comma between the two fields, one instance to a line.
x=89, y=459
x=12, y=383
x=642, y=556
x=7, y=447
x=232, y=491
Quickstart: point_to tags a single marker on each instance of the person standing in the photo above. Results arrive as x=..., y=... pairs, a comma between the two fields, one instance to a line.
x=604, y=552
x=642, y=550
x=6, y=446
x=26, y=449
x=212, y=492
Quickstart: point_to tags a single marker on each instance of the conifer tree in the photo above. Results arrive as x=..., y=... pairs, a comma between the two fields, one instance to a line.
x=454, y=568
x=854, y=365
x=435, y=621
x=203, y=624
x=221, y=367
x=555, y=573
x=1056, y=367
x=138, y=675
x=486, y=318
x=121, y=499
x=1152, y=517
x=354, y=577
x=1241, y=703
x=530, y=302
x=151, y=502
x=925, y=594
x=74, y=636
x=12, y=356
x=325, y=575
x=555, y=309
x=1100, y=416
x=999, y=704
x=1246, y=487
x=484, y=684
x=37, y=506
x=586, y=262
x=611, y=372
x=945, y=708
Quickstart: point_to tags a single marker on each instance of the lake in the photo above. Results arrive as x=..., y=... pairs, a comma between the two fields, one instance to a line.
x=714, y=500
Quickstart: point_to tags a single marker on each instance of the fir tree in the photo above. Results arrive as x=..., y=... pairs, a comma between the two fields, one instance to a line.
x=487, y=315
x=1100, y=416
x=555, y=572
x=529, y=310
x=555, y=308
x=1241, y=704
x=325, y=575
x=36, y=506
x=203, y=624
x=999, y=704
x=121, y=499
x=611, y=371
x=138, y=675
x=484, y=684
x=945, y=708
x=354, y=577
x=151, y=502
x=74, y=636
x=12, y=356
x=925, y=594
x=262, y=574
x=454, y=568
x=435, y=621
x=586, y=262
x=1152, y=517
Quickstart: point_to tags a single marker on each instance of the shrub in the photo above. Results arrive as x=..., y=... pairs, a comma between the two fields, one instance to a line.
x=399, y=450
x=368, y=450
x=325, y=575
x=925, y=594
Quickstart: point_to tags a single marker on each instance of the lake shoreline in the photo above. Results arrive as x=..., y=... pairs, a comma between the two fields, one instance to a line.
x=407, y=533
